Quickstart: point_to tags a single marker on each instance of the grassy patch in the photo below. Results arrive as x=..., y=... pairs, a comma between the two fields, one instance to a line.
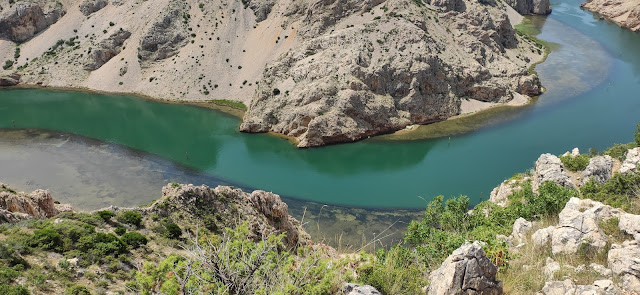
x=229, y=103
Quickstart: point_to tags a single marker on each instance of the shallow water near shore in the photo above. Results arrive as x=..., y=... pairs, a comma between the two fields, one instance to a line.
x=128, y=147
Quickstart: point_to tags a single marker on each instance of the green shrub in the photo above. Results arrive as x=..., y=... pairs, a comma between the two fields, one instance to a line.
x=106, y=214
x=77, y=290
x=7, y=64
x=577, y=163
x=13, y=290
x=130, y=217
x=47, y=239
x=619, y=151
x=172, y=231
x=134, y=239
x=620, y=191
x=636, y=135
x=120, y=230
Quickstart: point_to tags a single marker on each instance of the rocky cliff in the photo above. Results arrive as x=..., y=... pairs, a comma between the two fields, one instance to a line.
x=524, y=7
x=318, y=71
x=625, y=13
x=17, y=206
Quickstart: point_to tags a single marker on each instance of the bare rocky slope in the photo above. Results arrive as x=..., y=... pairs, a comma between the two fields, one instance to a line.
x=625, y=13
x=318, y=71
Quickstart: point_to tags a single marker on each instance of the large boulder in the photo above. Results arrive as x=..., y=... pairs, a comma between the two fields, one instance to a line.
x=353, y=289
x=106, y=50
x=25, y=19
x=90, y=6
x=630, y=224
x=624, y=261
x=466, y=271
x=600, y=169
x=631, y=162
x=549, y=168
x=541, y=237
x=578, y=225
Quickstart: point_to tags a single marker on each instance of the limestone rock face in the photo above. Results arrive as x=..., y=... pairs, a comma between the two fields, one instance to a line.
x=90, y=6
x=600, y=169
x=625, y=13
x=27, y=18
x=166, y=36
x=541, y=237
x=107, y=49
x=10, y=80
x=568, y=287
x=578, y=224
x=521, y=228
x=355, y=82
x=264, y=211
x=550, y=168
x=631, y=162
x=624, y=261
x=261, y=8
x=16, y=206
x=466, y=271
x=630, y=224
x=500, y=194
x=353, y=289
x=525, y=7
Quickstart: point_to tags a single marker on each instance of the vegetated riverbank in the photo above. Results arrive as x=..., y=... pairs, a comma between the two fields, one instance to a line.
x=192, y=239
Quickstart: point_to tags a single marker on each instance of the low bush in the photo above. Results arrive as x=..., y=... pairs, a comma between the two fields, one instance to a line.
x=134, y=239
x=130, y=217
x=105, y=214
x=577, y=163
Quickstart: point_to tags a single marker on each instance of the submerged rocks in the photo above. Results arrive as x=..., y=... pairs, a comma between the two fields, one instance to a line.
x=600, y=169
x=106, y=50
x=25, y=19
x=578, y=225
x=549, y=168
x=631, y=162
x=90, y=6
x=466, y=271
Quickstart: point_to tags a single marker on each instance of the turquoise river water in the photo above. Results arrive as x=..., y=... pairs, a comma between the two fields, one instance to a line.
x=592, y=100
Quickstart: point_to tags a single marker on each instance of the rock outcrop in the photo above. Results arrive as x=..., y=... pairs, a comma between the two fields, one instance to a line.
x=630, y=224
x=261, y=8
x=578, y=226
x=265, y=212
x=90, y=6
x=625, y=13
x=568, y=287
x=500, y=194
x=15, y=206
x=106, y=50
x=166, y=36
x=25, y=19
x=600, y=169
x=624, y=261
x=550, y=168
x=10, y=80
x=531, y=6
x=393, y=72
x=631, y=162
x=466, y=271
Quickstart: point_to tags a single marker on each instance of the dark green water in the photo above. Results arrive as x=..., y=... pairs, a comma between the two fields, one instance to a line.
x=593, y=82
